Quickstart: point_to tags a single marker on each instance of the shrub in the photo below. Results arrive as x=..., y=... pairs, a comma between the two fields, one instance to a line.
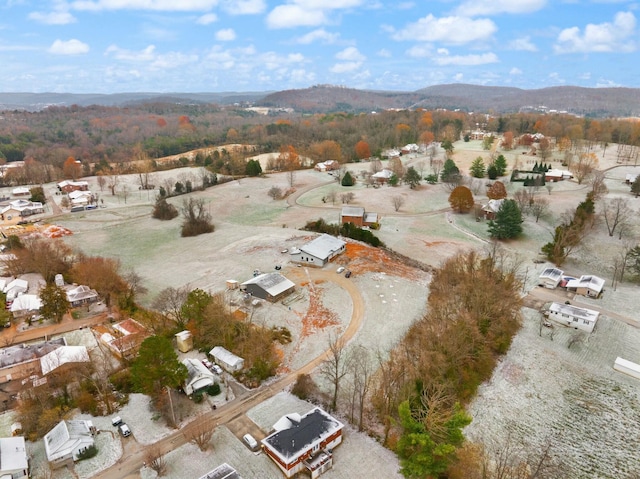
x=88, y=453
x=347, y=179
x=164, y=211
x=213, y=390
x=304, y=387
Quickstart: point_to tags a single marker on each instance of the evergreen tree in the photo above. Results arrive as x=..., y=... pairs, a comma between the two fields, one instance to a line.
x=54, y=302
x=394, y=180
x=536, y=168
x=449, y=171
x=492, y=171
x=478, y=169
x=157, y=366
x=501, y=165
x=411, y=177
x=508, y=222
x=347, y=179
x=253, y=168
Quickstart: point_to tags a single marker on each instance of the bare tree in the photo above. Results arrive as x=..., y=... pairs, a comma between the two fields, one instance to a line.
x=102, y=182
x=549, y=187
x=436, y=167
x=112, y=180
x=156, y=461
x=291, y=177
x=420, y=166
x=598, y=186
x=335, y=367
x=362, y=370
x=375, y=166
x=125, y=192
x=347, y=198
x=201, y=435
x=616, y=213
x=397, y=201
x=275, y=192
x=539, y=207
x=332, y=196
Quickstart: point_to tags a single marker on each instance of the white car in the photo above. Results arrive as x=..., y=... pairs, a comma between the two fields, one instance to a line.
x=124, y=430
x=216, y=369
x=340, y=269
x=250, y=441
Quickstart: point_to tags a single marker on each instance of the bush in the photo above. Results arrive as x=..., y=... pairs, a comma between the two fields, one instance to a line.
x=213, y=390
x=347, y=179
x=304, y=387
x=197, y=396
x=163, y=210
x=122, y=381
x=88, y=453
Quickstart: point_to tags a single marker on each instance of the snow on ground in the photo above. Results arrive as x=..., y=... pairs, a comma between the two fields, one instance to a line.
x=543, y=391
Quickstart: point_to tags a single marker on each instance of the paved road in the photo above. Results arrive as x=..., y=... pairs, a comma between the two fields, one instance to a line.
x=134, y=456
x=12, y=335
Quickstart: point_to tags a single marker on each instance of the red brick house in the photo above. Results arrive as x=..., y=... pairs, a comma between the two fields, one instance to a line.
x=306, y=442
x=358, y=216
x=67, y=186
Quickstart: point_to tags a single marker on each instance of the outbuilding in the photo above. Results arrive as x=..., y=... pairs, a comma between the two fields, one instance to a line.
x=550, y=278
x=587, y=285
x=226, y=359
x=627, y=367
x=270, y=286
x=319, y=251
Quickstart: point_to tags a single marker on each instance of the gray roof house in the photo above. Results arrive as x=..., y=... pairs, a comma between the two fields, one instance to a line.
x=223, y=471
x=68, y=439
x=588, y=285
x=304, y=442
x=14, y=462
x=319, y=251
x=226, y=359
x=573, y=316
x=550, y=278
x=199, y=376
x=270, y=286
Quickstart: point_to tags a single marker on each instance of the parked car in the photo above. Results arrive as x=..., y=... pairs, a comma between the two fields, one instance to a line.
x=216, y=369
x=250, y=441
x=347, y=274
x=278, y=267
x=286, y=250
x=91, y=207
x=116, y=421
x=207, y=364
x=124, y=430
x=340, y=270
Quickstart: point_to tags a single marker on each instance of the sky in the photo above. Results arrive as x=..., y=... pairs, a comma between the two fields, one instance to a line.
x=114, y=46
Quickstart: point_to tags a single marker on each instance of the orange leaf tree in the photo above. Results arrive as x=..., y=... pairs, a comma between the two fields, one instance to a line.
x=362, y=150
x=497, y=191
x=461, y=199
x=72, y=169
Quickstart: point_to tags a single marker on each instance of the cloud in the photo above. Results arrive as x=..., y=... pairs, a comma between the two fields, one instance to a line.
x=350, y=54
x=319, y=35
x=454, y=30
x=603, y=37
x=307, y=13
x=146, y=55
x=207, y=19
x=523, y=44
x=345, y=67
x=153, y=5
x=69, y=47
x=226, y=35
x=515, y=71
x=472, y=8
x=384, y=53
x=149, y=57
x=244, y=7
x=420, y=51
x=467, y=60
x=52, y=18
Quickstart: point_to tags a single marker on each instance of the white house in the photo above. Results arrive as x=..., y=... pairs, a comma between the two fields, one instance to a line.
x=328, y=165
x=306, y=442
x=78, y=197
x=79, y=295
x=382, y=176
x=319, y=251
x=21, y=191
x=557, y=175
x=15, y=288
x=14, y=462
x=573, y=316
x=630, y=178
x=550, y=278
x=24, y=305
x=587, y=285
x=61, y=356
x=67, y=440
x=627, y=367
x=226, y=359
x=199, y=377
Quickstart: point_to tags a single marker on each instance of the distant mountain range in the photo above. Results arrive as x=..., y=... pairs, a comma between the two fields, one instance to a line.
x=594, y=102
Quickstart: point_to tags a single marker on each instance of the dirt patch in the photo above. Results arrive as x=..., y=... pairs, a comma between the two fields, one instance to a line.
x=367, y=259
x=317, y=316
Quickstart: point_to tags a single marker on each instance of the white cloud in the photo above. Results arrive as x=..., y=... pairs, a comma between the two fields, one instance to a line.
x=420, y=51
x=458, y=77
x=350, y=54
x=172, y=60
x=585, y=76
x=146, y=55
x=52, y=18
x=467, y=60
x=207, y=19
x=244, y=7
x=454, y=30
x=318, y=35
x=603, y=37
x=384, y=53
x=308, y=13
x=289, y=16
x=345, y=67
x=69, y=47
x=226, y=35
x=154, y=5
x=515, y=71
x=523, y=44
x=472, y=8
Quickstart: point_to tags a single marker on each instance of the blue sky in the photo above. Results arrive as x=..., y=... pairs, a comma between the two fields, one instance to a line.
x=111, y=46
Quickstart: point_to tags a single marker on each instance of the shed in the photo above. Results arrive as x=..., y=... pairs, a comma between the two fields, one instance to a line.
x=67, y=440
x=270, y=286
x=550, y=278
x=627, y=367
x=199, y=377
x=184, y=340
x=226, y=359
x=573, y=316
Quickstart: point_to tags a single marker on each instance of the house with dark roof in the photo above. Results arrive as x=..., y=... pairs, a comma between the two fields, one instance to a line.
x=67, y=440
x=306, y=442
x=319, y=251
x=270, y=286
x=14, y=462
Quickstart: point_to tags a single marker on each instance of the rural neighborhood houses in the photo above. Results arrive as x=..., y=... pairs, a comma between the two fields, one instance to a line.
x=61, y=356
x=358, y=216
x=304, y=442
x=550, y=278
x=555, y=175
x=319, y=251
x=14, y=462
x=67, y=440
x=588, y=285
x=67, y=186
x=199, y=377
x=328, y=165
x=491, y=208
x=573, y=316
x=15, y=210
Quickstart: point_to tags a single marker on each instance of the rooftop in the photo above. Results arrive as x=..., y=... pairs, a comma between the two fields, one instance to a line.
x=323, y=246
x=272, y=283
x=574, y=311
